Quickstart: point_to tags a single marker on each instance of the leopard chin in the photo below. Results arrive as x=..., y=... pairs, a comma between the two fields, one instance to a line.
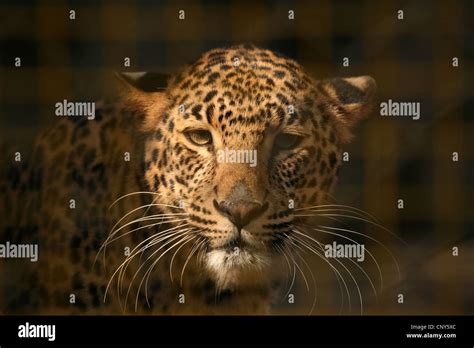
x=233, y=268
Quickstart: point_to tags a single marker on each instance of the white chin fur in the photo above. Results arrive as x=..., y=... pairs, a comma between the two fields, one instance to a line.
x=236, y=269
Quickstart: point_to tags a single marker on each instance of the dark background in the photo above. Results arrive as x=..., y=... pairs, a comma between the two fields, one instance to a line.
x=390, y=158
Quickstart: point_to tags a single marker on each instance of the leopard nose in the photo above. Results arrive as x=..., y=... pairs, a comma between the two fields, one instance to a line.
x=240, y=213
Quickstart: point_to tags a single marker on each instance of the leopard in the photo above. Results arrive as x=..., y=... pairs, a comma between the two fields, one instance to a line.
x=134, y=211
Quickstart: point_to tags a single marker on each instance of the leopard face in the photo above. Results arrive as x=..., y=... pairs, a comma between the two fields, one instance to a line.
x=252, y=103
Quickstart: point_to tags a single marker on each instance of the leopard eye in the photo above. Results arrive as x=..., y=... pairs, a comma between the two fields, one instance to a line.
x=287, y=141
x=199, y=137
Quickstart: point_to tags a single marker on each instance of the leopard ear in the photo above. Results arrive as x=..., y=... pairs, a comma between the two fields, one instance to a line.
x=145, y=94
x=354, y=97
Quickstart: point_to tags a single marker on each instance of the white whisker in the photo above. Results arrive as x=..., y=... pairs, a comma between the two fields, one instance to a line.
x=348, y=207
x=296, y=264
x=196, y=247
x=184, y=239
x=288, y=264
x=172, y=259
x=146, y=244
x=352, y=261
x=334, y=269
x=357, y=218
x=131, y=194
x=350, y=274
x=178, y=236
x=132, y=254
x=314, y=283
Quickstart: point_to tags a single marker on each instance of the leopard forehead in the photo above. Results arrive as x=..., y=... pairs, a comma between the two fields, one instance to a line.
x=242, y=85
x=242, y=66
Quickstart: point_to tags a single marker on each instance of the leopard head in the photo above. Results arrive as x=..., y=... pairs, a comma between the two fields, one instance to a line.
x=238, y=141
